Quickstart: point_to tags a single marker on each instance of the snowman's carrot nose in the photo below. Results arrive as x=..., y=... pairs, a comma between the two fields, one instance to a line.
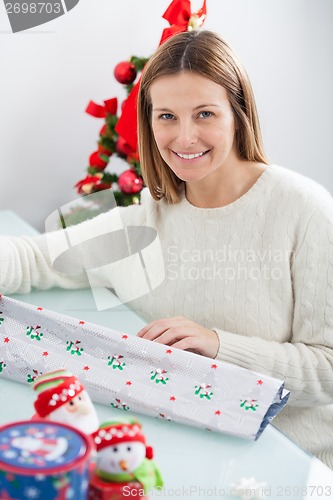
x=123, y=464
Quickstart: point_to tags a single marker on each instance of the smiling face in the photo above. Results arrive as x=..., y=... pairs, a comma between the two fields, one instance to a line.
x=79, y=412
x=193, y=126
x=123, y=457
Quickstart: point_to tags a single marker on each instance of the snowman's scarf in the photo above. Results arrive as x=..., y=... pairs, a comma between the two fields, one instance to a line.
x=147, y=474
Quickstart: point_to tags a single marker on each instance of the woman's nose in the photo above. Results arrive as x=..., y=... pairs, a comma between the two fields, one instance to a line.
x=187, y=134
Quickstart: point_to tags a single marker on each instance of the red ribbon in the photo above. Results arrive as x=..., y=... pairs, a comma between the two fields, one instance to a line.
x=180, y=18
x=110, y=106
x=127, y=125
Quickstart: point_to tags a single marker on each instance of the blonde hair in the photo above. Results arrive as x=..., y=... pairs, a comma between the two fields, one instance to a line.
x=207, y=54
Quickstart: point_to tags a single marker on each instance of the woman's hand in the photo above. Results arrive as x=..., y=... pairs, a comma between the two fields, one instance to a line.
x=182, y=333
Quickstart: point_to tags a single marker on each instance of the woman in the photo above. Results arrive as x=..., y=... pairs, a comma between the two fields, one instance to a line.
x=247, y=246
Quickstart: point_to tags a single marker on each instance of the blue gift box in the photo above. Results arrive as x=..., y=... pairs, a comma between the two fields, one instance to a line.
x=43, y=460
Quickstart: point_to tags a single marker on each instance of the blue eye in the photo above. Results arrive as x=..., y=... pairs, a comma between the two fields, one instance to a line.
x=166, y=116
x=205, y=114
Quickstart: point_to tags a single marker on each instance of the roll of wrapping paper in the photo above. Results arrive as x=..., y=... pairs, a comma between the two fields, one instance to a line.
x=134, y=374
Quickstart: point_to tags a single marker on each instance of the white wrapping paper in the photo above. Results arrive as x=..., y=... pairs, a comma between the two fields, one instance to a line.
x=133, y=374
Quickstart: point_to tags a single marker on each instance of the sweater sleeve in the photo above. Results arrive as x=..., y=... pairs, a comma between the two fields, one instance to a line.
x=306, y=362
x=61, y=258
x=25, y=264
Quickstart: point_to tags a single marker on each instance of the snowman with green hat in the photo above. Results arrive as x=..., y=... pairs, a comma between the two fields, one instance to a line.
x=123, y=456
x=62, y=398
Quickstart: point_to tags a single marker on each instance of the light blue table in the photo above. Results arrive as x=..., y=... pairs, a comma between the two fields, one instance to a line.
x=196, y=464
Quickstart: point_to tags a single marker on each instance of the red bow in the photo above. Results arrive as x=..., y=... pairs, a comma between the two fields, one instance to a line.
x=180, y=18
x=110, y=106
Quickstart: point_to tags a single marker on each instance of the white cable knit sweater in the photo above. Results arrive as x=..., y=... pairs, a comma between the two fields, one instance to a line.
x=259, y=271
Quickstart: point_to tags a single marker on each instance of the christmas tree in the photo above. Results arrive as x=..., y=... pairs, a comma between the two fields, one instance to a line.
x=129, y=183
x=118, y=135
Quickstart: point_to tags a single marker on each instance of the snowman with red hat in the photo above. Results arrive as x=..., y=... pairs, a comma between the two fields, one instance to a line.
x=124, y=457
x=62, y=398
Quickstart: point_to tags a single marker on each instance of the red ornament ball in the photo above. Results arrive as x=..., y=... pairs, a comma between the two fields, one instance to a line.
x=125, y=72
x=96, y=161
x=122, y=147
x=129, y=182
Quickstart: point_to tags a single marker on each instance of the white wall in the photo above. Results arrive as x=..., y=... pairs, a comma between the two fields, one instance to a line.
x=48, y=75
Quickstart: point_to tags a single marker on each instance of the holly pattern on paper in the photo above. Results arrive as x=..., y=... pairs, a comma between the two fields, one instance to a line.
x=1, y=319
x=165, y=417
x=31, y=378
x=159, y=376
x=115, y=361
x=249, y=404
x=203, y=391
x=2, y=366
x=120, y=405
x=33, y=332
x=74, y=348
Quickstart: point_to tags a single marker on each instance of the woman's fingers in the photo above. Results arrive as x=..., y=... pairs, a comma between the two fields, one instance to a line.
x=182, y=333
x=156, y=328
x=146, y=328
x=154, y=332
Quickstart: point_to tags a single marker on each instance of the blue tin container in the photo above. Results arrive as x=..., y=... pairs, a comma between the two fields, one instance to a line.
x=43, y=461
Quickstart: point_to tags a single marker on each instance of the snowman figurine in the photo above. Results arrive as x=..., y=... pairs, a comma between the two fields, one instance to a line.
x=123, y=457
x=62, y=398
